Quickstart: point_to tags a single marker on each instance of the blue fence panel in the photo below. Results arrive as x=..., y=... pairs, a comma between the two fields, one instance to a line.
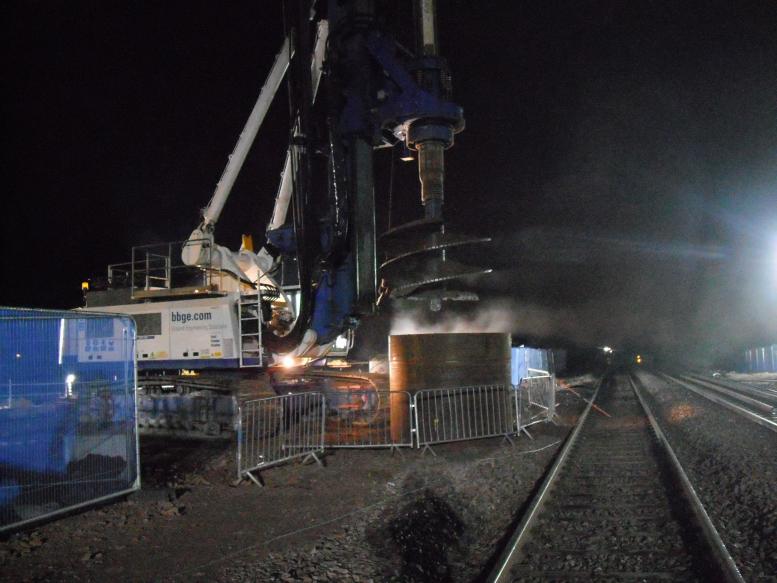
x=523, y=358
x=68, y=430
x=761, y=359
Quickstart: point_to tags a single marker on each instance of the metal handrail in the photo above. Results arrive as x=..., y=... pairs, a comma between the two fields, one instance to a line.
x=153, y=266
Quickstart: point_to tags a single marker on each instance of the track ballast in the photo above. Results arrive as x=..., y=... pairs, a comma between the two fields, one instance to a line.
x=614, y=507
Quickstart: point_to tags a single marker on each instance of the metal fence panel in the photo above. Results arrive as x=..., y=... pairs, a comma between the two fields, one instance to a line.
x=540, y=393
x=277, y=429
x=761, y=359
x=68, y=414
x=368, y=418
x=445, y=415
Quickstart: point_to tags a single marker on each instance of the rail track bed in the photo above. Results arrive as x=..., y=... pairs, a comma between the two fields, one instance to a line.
x=758, y=404
x=731, y=462
x=614, y=506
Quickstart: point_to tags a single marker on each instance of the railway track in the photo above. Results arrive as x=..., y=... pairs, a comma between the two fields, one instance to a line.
x=616, y=506
x=757, y=404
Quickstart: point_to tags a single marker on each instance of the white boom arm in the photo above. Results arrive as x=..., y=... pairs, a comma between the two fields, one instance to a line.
x=201, y=249
x=284, y=190
x=224, y=186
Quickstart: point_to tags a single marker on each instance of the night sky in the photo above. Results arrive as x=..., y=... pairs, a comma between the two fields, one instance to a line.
x=622, y=154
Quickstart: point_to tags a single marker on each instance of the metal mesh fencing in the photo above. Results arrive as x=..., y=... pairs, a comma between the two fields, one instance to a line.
x=278, y=429
x=368, y=418
x=761, y=359
x=445, y=415
x=68, y=431
x=538, y=399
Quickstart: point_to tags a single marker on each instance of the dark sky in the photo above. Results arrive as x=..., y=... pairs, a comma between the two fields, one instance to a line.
x=622, y=154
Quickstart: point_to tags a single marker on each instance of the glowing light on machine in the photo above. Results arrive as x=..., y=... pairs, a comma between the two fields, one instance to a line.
x=69, y=380
x=338, y=363
x=288, y=362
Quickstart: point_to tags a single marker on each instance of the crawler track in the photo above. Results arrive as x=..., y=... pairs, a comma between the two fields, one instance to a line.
x=616, y=506
x=755, y=403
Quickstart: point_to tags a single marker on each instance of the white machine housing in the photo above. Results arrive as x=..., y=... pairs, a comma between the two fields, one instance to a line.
x=186, y=334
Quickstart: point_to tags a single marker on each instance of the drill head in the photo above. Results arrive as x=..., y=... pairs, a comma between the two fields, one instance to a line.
x=431, y=173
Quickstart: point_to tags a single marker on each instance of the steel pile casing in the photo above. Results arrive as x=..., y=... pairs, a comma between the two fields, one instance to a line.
x=434, y=361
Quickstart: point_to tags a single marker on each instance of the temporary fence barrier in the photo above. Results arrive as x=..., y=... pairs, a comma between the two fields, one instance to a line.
x=368, y=418
x=534, y=380
x=526, y=361
x=761, y=359
x=273, y=430
x=539, y=404
x=446, y=415
x=68, y=418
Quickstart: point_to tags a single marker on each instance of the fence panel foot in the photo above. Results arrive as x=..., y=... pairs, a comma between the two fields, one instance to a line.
x=313, y=455
x=255, y=479
x=429, y=449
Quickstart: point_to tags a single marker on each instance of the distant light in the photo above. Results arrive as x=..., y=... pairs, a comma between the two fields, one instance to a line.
x=70, y=379
x=18, y=355
x=606, y=349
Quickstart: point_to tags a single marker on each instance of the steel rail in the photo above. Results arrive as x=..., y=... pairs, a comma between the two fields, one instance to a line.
x=501, y=572
x=722, y=556
x=716, y=398
x=753, y=402
x=769, y=395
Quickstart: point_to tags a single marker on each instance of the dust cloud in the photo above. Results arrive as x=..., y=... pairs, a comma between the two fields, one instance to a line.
x=499, y=316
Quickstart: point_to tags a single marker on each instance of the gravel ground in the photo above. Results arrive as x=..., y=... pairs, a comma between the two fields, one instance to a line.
x=368, y=515
x=762, y=379
x=440, y=521
x=732, y=464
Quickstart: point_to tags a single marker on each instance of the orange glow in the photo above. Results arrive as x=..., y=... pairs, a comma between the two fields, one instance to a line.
x=681, y=412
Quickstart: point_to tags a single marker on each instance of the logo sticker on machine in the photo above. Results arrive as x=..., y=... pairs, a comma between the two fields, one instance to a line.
x=201, y=319
x=199, y=333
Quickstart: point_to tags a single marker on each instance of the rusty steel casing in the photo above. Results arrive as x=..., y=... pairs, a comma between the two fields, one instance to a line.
x=434, y=361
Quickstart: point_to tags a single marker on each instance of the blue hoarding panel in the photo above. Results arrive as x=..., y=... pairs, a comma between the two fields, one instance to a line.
x=526, y=362
x=68, y=430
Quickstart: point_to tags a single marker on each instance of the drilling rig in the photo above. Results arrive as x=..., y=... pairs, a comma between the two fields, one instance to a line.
x=210, y=320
